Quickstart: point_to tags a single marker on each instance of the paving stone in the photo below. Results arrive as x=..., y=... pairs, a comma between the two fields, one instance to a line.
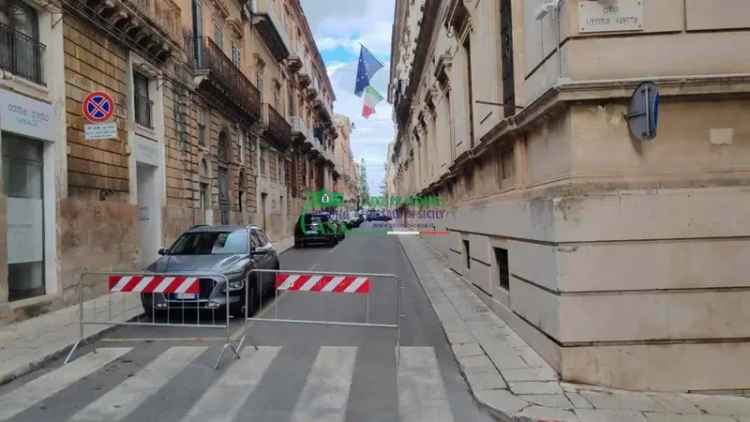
x=722, y=405
x=558, y=401
x=537, y=413
x=459, y=337
x=467, y=349
x=597, y=415
x=671, y=417
x=501, y=400
x=475, y=362
x=535, y=388
x=530, y=374
x=675, y=403
x=484, y=380
x=531, y=358
x=578, y=401
x=623, y=401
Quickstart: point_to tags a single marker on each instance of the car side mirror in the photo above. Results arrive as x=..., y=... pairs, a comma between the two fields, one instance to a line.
x=163, y=251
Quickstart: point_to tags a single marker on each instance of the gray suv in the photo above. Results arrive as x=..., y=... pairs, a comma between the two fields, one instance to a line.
x=229, y=250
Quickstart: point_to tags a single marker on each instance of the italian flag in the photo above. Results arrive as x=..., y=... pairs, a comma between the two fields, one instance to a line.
x=372, y=98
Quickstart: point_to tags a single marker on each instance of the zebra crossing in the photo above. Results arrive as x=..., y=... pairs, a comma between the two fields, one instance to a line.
x=324, y=396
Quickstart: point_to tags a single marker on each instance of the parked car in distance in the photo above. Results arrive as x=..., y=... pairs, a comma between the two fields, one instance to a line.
x=229, y=250
x=315, y=228
x=374, y=215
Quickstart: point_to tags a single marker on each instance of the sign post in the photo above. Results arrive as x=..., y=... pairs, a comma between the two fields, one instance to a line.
x=98, y=107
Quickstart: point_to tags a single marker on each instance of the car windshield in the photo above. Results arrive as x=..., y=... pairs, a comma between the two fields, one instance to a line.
x=211, y=243
x=310, y=218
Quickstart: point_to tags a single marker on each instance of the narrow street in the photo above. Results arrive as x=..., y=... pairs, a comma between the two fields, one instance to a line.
x=299, y=372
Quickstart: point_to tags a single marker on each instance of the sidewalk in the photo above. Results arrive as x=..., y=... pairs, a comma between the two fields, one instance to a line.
x=508, y=376
x=26, y=345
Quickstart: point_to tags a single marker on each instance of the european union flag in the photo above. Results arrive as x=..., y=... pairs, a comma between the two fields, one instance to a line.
x=368, y=66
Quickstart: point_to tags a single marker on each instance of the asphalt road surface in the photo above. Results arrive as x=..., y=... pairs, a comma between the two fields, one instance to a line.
x=288, y=371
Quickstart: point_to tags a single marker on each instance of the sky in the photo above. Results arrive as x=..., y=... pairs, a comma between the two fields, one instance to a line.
x=339, y=26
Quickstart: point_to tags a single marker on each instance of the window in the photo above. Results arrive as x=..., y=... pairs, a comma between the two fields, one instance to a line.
x=242, y=142
x=501, y=258
x=222, y=148
x=201, y=127
x=469, y=93
x=290, y=100
x=506, y=164
x=468, y=253
x=211, y=243
x=219, y=32
x=22, y=162
x=20, y=49
x=280, y=167
x=241, y=201
x=506, y=50
x=236, y=54
x=142, y=100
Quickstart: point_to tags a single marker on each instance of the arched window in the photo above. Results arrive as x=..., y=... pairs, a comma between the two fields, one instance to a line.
x=222, y=151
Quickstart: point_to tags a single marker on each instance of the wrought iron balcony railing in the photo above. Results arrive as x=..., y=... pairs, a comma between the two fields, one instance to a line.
x=224, y=75
x=21, y=55
x=277, y=128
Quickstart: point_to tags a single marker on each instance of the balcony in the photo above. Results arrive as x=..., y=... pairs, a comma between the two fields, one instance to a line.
x=217, y=75
x=267, y=19
x=278, y=130
x=151, y=27
x=21, y=55
x=164, y=15
x=299, y=130
x=303, y=79
x=294, y=62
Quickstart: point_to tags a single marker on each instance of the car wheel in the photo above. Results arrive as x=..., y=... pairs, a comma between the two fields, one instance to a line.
x=153, y=314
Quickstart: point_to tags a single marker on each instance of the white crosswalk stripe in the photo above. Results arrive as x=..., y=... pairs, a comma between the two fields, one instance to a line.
x=119, y=402
x=421, y=392
x=224, y=399
x=55, y=381
x=326, y=390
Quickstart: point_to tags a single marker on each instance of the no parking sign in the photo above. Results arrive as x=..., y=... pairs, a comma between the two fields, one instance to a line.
x=98, y=107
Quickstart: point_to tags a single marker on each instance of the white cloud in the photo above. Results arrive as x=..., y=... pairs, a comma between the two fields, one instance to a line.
x=345, y=26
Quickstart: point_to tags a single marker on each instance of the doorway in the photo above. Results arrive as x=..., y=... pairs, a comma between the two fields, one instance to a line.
x=224, y=195
x=149, y=214
x=23, y=171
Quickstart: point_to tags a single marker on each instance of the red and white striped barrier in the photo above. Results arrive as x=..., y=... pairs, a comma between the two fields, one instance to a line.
x=322, y=283
x=153, y=284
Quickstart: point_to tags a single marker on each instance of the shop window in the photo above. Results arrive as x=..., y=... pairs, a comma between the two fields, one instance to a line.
x=23, y=183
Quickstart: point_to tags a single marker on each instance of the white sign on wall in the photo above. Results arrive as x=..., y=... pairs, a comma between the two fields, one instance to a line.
x=24, y=116
x=97, y=131
x=610, y=16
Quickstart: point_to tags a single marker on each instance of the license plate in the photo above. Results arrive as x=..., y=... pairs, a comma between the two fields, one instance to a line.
x=186, y=296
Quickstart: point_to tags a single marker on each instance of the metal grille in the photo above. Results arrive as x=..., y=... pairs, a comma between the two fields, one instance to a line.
x=21, y=54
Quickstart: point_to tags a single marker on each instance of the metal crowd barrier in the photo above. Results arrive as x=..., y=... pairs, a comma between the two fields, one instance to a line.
x=323, y=282
x=175, y=300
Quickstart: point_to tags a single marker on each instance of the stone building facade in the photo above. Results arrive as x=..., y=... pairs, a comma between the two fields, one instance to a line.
x=623, y=263
x=346, y=181
x=224, y=115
